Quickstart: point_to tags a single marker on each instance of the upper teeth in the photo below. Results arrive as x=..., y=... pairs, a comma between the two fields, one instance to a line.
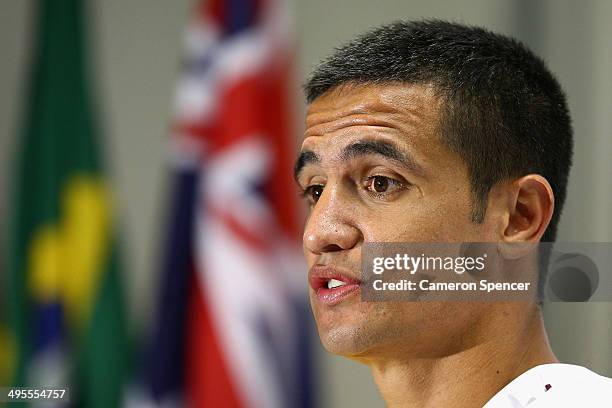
x=334, y=283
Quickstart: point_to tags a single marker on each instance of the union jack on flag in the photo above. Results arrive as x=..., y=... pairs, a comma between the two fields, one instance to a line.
x=233, y=323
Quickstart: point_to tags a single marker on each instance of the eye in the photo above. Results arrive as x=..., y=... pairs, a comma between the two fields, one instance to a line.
x=381, y=185
x=313, y=193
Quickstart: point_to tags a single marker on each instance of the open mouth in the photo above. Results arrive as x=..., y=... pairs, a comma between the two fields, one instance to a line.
x=332, y=286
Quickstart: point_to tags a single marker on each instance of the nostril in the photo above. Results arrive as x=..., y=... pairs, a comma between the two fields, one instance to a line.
x=331, y=248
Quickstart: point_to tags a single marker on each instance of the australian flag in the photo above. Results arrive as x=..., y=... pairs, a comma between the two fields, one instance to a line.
x=232, y=324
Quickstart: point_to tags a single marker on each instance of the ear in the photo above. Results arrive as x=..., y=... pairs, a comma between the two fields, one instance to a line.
x=532, y=207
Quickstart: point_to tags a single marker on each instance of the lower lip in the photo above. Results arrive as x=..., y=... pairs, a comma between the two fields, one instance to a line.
x=336, y=295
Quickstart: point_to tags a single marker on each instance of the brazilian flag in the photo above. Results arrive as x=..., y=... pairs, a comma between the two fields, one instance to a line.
x=66, y=320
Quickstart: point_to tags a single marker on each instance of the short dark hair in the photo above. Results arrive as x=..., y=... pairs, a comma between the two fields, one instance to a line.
x=504, y=112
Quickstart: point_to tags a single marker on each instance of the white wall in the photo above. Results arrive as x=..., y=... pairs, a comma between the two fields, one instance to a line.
x=137, y=55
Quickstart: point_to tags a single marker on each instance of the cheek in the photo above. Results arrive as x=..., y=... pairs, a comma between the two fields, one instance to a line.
x=440, y=220
x=443, y=218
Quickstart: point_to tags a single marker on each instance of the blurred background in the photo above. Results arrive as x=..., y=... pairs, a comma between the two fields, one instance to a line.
x=136, y=57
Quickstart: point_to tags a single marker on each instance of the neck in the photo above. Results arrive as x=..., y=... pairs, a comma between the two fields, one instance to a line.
x=470, y=377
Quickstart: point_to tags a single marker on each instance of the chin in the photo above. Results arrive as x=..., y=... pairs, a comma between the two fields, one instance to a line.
x=344, y=341
x=339, y=331
x=355, y=338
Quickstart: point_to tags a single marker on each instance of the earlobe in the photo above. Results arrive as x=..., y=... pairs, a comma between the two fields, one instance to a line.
x=531, y=210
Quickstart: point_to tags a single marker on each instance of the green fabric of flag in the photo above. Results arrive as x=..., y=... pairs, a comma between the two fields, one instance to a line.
x=66, y=308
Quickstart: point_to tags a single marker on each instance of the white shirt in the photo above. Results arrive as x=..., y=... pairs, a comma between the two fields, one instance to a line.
x=555, y=385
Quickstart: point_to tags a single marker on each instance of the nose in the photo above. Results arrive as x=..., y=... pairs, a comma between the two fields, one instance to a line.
x=330, y=226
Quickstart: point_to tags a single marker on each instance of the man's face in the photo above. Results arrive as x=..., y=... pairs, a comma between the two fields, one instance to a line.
x=374, y=168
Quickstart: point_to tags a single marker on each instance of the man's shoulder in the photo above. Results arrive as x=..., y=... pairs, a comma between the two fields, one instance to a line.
x=555, y=385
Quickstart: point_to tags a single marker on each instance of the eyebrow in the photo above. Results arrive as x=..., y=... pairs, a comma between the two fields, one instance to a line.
x=361, y=149
x=305, y=157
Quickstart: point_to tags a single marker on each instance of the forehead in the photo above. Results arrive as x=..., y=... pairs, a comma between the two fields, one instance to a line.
x=413, y=101
x=405, y=114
